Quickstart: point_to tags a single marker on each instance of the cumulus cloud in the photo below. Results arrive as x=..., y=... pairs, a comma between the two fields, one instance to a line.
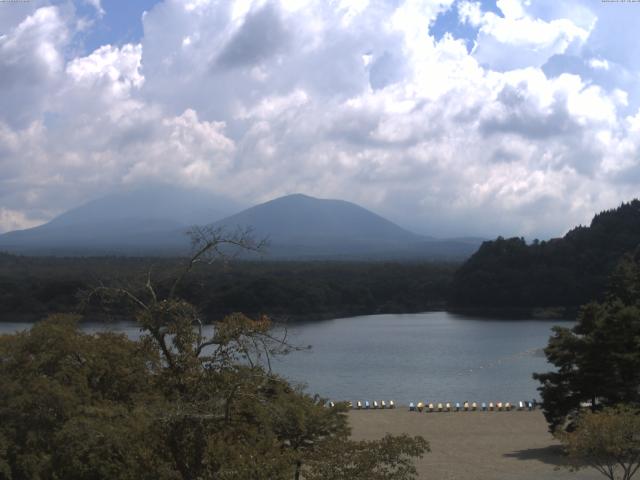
x=516, y=39
x=31, y=64
x=528, y=133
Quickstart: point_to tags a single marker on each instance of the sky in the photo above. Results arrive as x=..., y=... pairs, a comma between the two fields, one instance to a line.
x=449, y=117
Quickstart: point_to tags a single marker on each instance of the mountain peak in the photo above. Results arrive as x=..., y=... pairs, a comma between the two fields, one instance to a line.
x=302, y=218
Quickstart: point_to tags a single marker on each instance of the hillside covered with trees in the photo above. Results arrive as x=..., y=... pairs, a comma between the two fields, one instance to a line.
x=567, y=271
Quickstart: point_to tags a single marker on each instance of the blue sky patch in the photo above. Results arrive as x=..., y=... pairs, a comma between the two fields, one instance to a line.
x=121, y=23
x=448, y=22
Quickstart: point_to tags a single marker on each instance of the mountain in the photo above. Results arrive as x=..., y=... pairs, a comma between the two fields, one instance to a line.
x=154, y=221
x=302, y=219
x=566, y=272
x=300, y=226
x=149, y=219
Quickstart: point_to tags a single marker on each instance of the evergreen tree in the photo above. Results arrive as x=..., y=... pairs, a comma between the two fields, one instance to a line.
x=598, y=360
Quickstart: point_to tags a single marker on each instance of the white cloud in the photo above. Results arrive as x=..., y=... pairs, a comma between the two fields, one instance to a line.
x=31, y=63
x=599, y=63
x=354, y=100
x=518, y=40
x=118, y=66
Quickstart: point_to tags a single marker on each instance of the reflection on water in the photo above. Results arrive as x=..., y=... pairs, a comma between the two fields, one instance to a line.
x=433, y=356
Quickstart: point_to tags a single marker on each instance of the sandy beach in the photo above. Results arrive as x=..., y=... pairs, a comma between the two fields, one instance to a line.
x=474, y=445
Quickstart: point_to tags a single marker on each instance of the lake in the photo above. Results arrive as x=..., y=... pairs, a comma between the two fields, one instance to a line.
x=434, y=356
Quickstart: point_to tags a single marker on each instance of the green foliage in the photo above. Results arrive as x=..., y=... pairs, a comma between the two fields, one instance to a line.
x=173, y=405
x=608, y=441
x=568, y=271
x=57, y=382
x=598, y=360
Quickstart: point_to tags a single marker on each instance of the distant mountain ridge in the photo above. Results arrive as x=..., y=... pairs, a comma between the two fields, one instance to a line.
x=567, y=271
x=297, y=227
x=131, y=221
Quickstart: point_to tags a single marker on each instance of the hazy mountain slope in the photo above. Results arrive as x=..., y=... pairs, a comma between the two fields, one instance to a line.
x=153, y=217
x=299, y=226
x=303, y=219
x=154, y=220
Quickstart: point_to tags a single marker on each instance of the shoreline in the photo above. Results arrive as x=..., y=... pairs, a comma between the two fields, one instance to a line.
x=285, y=319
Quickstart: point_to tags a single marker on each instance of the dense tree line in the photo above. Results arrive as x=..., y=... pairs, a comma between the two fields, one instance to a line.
x=567, y=271
x=33, y=286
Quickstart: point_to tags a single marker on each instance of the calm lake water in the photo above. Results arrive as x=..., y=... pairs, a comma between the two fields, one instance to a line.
x=435, y=356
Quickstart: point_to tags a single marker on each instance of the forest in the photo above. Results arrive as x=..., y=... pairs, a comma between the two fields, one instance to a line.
x=31, y=287
x=561, y=272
